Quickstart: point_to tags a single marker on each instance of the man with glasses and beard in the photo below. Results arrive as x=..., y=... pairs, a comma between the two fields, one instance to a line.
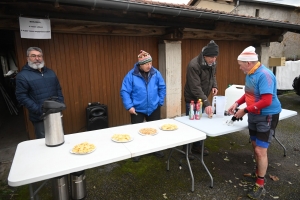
x=34, y=84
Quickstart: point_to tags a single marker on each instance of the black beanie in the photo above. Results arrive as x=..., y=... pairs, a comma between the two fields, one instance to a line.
x=211, y=49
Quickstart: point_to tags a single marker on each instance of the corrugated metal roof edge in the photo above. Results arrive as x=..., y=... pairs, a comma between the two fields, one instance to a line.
x=180, y=10
x=271, y=3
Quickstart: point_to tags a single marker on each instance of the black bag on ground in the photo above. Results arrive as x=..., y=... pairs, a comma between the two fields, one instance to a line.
x=296, y=85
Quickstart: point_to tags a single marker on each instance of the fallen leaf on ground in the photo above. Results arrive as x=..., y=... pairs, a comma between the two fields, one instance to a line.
x=165, y=196
x=290, y=183
x=230, y=181
x=226, y=159
x=274, y=197
x=278, y=164
x=247, y=175
x=274, y=178
x=296, y=165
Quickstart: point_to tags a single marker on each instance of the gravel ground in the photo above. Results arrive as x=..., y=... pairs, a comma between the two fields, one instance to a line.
x=230, y=157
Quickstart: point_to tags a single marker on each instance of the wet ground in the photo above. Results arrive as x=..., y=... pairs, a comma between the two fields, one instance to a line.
x=230, y=157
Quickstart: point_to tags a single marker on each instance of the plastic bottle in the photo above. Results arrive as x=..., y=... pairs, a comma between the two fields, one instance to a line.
x=200, y=109
x=197, y=113
x=191, y=113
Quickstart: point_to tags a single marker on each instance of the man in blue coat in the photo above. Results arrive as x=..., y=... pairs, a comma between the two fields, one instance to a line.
x=143, y=92
x=34, y=84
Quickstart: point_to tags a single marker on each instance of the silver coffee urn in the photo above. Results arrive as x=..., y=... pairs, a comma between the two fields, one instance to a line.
x=78, y=185
x=60, y=188
x=54, y=134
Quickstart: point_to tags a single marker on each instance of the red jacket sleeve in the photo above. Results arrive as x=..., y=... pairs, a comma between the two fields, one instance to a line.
x=266, y=100
x=241, y=100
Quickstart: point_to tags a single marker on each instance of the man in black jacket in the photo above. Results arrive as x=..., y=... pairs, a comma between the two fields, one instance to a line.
x=201, y=81
x=34, y=84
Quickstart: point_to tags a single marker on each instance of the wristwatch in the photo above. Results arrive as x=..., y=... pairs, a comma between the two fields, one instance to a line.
x=245, y=110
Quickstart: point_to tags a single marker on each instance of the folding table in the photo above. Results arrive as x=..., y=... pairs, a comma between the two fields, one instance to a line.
x=217, y=126
x=34, y=161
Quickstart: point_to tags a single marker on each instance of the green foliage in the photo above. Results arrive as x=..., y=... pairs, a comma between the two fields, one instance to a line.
x=5, y=191
x=140, y=168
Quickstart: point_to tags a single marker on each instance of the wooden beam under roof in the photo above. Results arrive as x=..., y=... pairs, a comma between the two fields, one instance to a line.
x=83, y=20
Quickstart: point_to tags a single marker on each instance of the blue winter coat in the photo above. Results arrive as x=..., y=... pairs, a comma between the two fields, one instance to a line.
x=144, y=96
x=34, y=87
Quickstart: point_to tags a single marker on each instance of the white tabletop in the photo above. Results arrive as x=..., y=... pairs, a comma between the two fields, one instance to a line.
x=163, y=140
x=34, y=161
x=217, y=126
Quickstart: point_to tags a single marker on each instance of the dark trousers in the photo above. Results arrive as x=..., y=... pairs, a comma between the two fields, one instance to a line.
x=187, y=107
x=140, y=117
x=39, y=129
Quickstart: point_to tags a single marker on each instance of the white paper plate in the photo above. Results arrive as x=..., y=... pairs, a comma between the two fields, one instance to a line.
x=160, y=127
x=81, y=153
x=131, y=138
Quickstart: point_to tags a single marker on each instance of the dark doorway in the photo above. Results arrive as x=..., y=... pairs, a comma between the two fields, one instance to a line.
x=12, y=124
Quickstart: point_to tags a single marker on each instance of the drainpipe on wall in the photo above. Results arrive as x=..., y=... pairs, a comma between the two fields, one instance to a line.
x=237, y=4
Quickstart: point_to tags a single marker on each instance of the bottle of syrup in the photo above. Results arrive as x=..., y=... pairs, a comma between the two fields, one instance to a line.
x=197, y=113
x=200, y=109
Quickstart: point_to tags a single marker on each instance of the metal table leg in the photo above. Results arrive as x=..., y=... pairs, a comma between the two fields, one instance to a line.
x=202, y=161
x=168, y=161
x=189, y=165
x=31, y=189
x=188, y=162
x=284, y=149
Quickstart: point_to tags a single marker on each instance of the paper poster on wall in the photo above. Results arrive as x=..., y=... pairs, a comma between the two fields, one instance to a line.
x=35, y=28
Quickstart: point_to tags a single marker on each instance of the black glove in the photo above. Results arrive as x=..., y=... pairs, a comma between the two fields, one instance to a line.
x=234, y=118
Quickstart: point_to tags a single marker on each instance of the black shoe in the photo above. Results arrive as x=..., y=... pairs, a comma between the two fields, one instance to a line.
x=191, y=157
x=136, y=159
x=199, y=149
x=159, y=154
x=257, y=192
